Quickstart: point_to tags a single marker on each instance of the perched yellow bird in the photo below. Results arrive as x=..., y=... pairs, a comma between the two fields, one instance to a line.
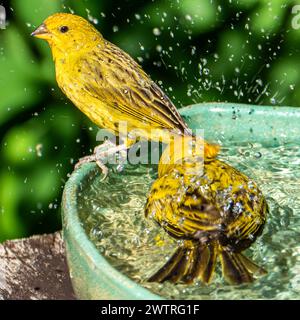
x=108, y=86
x=218, y=212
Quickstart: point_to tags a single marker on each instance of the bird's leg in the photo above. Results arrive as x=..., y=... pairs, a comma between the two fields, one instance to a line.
x=102, y=152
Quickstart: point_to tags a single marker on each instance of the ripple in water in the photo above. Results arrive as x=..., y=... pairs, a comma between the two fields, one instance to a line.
x=113, y=217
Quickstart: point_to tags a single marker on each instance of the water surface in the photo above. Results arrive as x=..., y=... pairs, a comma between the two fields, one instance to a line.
x=112, y=213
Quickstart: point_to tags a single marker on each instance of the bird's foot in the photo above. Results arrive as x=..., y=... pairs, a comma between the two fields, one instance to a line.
x=101, y=155
x=93, y=158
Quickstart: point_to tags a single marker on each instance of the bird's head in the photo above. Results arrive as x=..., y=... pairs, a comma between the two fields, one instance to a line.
x=68, y=32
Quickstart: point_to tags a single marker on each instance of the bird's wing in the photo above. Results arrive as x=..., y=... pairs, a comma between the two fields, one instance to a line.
x=114, y=77
x=245, y=206
x=248, y=225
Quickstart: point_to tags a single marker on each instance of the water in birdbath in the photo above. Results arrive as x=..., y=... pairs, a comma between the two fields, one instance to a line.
x=112, y=214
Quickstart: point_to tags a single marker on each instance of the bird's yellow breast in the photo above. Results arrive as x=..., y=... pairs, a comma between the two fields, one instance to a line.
x=71, y=79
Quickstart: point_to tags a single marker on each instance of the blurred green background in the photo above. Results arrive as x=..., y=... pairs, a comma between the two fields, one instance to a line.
x=239, y=51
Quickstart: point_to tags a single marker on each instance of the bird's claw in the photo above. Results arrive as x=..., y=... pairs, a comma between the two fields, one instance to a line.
x=104, y=169
x=93, y=158
x=101, y=153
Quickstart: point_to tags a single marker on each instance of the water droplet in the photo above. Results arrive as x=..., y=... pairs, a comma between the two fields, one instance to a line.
x=156, y=31
x=206, y=71
x=258, y=155
x=159, y=48
x=39, y=149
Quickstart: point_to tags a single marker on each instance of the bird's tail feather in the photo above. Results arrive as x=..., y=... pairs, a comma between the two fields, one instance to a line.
x=237, y=268
x=190, y=262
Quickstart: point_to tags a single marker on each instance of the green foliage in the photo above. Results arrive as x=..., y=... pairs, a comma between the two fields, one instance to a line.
x=240, y=51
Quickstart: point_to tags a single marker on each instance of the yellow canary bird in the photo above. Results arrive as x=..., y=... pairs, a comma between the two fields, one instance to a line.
x=107, y=85
x=215, y=210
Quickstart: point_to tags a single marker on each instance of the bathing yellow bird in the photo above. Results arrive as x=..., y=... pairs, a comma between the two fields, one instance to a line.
x=108, y=86
x=215, y=210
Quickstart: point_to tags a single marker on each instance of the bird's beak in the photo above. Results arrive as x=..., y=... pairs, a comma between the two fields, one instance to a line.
x=41, y=32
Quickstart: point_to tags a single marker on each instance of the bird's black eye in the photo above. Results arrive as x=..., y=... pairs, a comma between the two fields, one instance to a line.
x=63, y=29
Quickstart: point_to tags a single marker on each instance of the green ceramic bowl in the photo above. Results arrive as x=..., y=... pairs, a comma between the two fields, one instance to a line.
x=92, y=276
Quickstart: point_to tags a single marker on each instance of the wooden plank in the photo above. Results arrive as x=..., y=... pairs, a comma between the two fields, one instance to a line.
x=34, y=268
